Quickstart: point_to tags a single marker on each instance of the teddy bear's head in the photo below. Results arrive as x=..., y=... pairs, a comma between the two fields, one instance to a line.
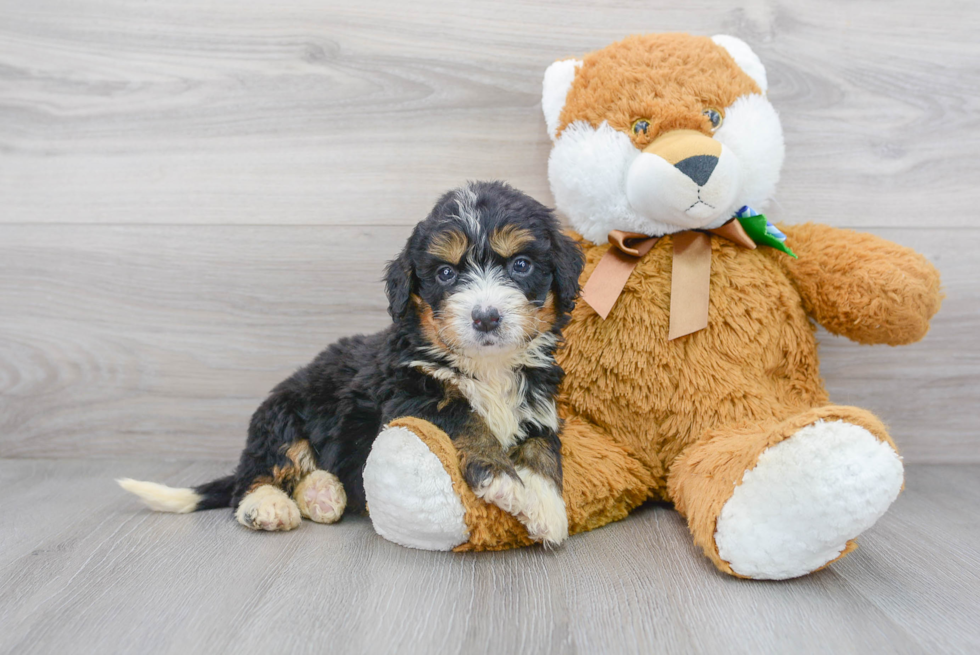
x=660, y=133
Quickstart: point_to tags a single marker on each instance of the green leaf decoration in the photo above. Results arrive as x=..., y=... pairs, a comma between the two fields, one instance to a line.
x=757, y=229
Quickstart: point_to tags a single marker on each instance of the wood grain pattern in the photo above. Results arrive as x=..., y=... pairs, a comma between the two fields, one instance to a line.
x=173, y=111
x=100, y=574
x=196, y=198
x=163, y=340
x=138, y=340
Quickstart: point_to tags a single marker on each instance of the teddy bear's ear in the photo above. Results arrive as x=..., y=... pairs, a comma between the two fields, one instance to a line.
x=557, y=81
x=747, y=60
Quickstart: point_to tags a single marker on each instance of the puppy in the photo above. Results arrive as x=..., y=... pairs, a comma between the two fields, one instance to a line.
x=478, y=298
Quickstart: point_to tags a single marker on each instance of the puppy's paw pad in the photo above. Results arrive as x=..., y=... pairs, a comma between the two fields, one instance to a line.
x=321, y=497
x=503, y=491
x=268, y=508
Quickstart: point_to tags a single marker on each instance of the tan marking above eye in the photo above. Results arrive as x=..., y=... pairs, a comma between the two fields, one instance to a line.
x=508, y=240
x=449, y=246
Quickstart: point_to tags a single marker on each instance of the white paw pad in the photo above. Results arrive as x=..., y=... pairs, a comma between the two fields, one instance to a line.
x=410, y=495
x=321, y=497
x=805, y=499
x=268, y=508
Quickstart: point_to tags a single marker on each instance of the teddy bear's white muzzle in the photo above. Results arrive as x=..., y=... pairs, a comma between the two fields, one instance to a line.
x=693, y=193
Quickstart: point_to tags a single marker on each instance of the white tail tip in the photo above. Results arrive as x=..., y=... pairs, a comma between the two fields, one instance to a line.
x=160, y=497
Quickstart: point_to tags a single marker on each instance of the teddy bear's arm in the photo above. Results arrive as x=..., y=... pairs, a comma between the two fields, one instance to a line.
x=861, y=286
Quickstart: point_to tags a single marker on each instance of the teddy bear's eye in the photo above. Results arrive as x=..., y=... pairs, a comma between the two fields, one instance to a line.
x=641, y=125
x=714, y=116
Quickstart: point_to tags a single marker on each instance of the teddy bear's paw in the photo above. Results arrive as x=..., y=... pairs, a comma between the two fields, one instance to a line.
x=805, y=499
x=543, y=513
x=320, y=497
x=410, y=495
x=268, y=508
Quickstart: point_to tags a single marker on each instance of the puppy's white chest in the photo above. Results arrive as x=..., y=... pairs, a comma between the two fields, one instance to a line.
x=498, y=397
x=500, y=394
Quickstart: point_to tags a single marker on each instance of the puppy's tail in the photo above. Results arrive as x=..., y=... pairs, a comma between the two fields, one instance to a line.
x=162, y=498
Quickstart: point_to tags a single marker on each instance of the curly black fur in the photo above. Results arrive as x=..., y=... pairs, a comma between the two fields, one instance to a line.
x=341, y=400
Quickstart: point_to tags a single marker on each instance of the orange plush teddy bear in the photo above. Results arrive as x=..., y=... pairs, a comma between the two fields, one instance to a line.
x=692, y=371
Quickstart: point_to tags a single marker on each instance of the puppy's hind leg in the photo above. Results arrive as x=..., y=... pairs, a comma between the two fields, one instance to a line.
x=267, y=504
x=267, y=507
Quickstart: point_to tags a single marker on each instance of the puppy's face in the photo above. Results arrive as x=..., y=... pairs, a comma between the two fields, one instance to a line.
x=487, y=272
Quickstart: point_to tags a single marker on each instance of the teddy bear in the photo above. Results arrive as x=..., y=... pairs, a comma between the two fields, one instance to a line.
x=691, y=361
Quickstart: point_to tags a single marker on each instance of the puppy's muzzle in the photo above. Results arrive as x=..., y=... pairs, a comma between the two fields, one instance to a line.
x=485, y=319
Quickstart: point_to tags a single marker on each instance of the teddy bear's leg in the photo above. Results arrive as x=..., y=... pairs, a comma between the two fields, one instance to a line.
x=417, y=496
x=411, y=497
x=781, y=500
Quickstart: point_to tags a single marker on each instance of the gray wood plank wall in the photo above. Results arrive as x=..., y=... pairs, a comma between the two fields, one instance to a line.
x=196, y=197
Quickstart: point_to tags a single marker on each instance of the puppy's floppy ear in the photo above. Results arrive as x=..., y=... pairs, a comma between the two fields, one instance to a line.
x=568, y=261
x=400, y=280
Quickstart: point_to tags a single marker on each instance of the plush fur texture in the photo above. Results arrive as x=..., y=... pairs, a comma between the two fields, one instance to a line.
x=412, y=505
x=478, y=298
x=806, y=498
x=608, y=174
x=740, y=402
x=414, y=501
x=670, y=79
x=557, y=81
x=684, y=420
x=704, y=479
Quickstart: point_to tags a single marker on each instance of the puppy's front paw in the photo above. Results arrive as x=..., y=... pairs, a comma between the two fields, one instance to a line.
x=494, y=481
x=268, y=508
x=543, y=513
x=503, y=490
x=321, y=497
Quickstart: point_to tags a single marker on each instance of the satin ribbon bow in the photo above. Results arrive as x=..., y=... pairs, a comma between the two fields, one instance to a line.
x=690, y=269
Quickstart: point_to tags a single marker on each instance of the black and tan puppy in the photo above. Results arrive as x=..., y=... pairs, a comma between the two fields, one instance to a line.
x=478, y=298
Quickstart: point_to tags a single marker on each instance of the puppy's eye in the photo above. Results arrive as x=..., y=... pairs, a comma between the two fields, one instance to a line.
x=715, y=117
x=521, y=266
x=446, y=274
x=641, y=125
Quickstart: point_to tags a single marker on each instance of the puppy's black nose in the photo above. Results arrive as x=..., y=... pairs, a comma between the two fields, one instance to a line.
x=486, y=319
x=699, y=168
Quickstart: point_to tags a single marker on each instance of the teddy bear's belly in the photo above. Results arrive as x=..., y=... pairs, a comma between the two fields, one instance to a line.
x=755, y=362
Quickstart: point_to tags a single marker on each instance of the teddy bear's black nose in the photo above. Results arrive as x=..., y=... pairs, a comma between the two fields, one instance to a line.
x=698, y=168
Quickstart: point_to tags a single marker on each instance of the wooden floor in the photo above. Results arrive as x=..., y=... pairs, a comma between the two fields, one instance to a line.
x=196, y=197
x=87, y=570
